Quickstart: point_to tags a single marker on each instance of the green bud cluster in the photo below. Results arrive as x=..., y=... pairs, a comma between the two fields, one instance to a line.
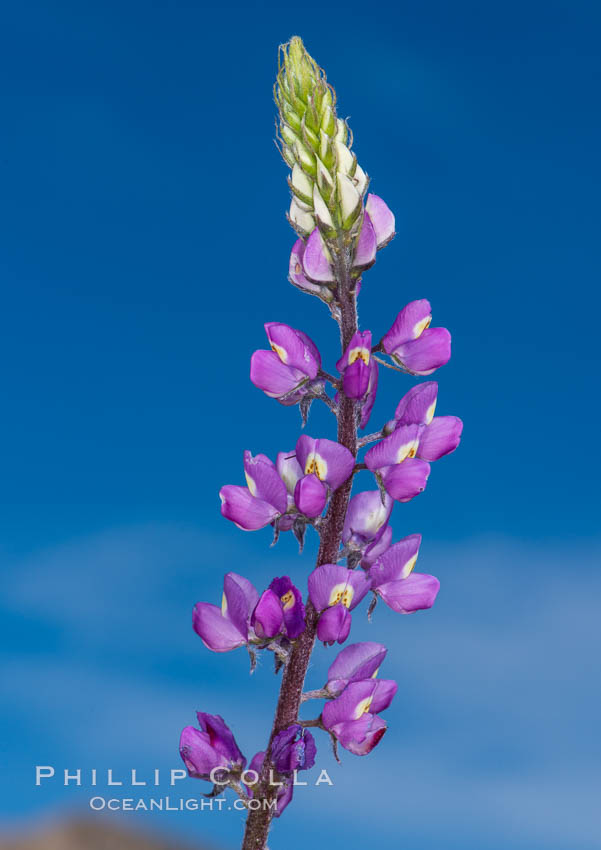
x=327, y=183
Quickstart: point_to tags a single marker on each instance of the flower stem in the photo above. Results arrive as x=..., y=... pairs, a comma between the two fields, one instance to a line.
x=259, y=820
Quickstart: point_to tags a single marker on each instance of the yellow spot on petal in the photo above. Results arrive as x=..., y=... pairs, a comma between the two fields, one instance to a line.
x=281, y=353
x=251, y=484
x=223, y=605
x=359, y=353
x=430, y=412
x=362, y=707
x=407, y=450
x=375, y=673
x=408, y=566
x=317, y=465
x=287, y=600
x=421, y=326
x=342, y=593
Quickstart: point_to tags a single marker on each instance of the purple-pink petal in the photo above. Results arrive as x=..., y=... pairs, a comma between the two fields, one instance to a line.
x=402, y=443
x=316, y=264
x=382, y=219
x=360, y=736
x=241, y=507
x=268, y=373
x=330, y=461
x=377, y=548
x=333, y=583
x=240, y=597
x=217, y=632
x=295, y=273
x=397, y=562
x=404, y=481
x=370, y=397
x=310, y=495
x=268, y=619
x=366, y=517
x=418, y=405
x=294, y=348
x=334, y=624
x=440, y=437
x=408, y=325
x=365, y=252
x=354, y=663
x=293, y=608
x=424, y=355
x=264, y=482
x=414, y=593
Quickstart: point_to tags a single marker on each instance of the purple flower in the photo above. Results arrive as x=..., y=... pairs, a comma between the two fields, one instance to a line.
x=335, y=590
x=293, y=749
x=280, y=610
x=293, y=609
x=366, y=518
x=382, y=220
x=365, y=251
x=283, y=372
x=226, y=628
x=284, y=792
x=354, y=365
x=296, y=274
x=354, y=663
x=404, y=476
x=209, y=748
x=415, y=346
x=393, y=579
x=438, y=436
x=417, y=406
x=328, y=460
x=317, y=260
x=370, y=395
x=310, y=495
x=263, y=501
x=352, y=717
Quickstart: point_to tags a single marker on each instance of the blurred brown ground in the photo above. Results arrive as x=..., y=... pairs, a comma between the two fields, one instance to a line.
x=87, y=834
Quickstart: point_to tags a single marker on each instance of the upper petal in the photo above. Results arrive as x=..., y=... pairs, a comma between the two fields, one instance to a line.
x=264, y=482
x=408, y=325
x=382, y=219
x=402, y=443
x=418, y=405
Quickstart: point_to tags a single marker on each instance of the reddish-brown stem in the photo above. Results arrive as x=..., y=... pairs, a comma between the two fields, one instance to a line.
x=259, y=820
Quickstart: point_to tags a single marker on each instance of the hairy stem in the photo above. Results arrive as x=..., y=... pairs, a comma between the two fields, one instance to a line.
x=259, y=820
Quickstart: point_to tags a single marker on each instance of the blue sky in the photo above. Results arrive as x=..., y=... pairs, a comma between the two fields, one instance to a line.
x=145, y=243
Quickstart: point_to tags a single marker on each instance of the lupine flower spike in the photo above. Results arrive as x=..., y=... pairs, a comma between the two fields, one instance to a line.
x=339, y=229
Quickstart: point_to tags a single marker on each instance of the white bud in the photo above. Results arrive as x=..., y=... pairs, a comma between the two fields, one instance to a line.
x=349, y=199
x=345, y=159
x=301, y=219
x=321, y=210
x=360, y=179
x=301, y=183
